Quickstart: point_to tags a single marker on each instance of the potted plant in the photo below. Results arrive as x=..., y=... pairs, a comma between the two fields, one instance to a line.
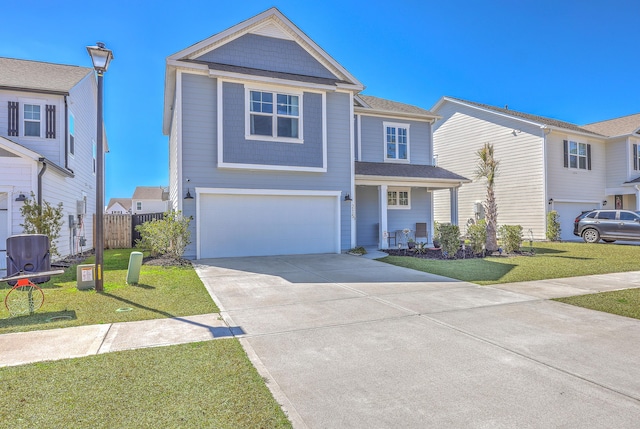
x=411, y=243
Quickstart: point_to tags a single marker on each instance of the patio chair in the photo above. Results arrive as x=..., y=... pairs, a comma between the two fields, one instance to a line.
x=421, y=231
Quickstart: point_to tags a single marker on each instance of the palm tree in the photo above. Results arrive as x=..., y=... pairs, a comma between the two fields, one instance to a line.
x=487, y=168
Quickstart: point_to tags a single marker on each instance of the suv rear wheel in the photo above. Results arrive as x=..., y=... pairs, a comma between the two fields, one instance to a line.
x=591, y=235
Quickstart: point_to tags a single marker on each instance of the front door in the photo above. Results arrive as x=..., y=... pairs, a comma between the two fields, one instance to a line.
x=4, y=232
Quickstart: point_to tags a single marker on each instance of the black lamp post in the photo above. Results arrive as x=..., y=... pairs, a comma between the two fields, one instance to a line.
x=101, y=57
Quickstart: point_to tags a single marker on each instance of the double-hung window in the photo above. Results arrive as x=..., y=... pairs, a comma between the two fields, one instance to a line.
x=396, y=141
x=577, y=155
x=274, y=116
x=72, y=135
x=32, y=120
x=398, y=198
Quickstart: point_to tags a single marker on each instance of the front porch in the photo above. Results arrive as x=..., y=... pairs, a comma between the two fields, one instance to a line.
x=394, y=202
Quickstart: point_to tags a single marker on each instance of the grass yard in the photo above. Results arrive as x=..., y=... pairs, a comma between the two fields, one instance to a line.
x=551, y=260
x=198, y=385
x=621, y=302
x=162, y=292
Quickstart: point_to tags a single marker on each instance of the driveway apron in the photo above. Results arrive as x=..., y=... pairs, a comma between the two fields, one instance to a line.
x=347, y=342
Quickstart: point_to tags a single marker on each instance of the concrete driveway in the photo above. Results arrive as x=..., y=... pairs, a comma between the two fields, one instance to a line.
x=347, y=342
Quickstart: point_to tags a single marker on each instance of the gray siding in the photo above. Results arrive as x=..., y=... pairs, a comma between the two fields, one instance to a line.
x=267, y=53
x=373, y=143
x=199, y=154
x=239, y=150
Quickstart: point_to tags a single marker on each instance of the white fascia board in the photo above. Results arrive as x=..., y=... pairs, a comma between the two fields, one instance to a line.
x=407, y=181
x=245, y=191
x=400, y=115
x=234, y=166
x=564, y=132
x=18, y=149
x=244, y=78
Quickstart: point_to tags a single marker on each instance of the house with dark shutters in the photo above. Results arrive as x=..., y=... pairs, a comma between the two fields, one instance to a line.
x=48, y=147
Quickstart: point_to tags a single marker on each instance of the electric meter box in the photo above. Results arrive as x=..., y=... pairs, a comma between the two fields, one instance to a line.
x=86, y=276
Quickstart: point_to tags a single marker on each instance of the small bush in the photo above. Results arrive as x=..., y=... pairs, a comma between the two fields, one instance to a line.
x=358, y=251
x=511, y=237
x=553, y=226
x=44, y=219
x=167, y=236
x=449, y=239
x=477, y=233
x=421, y=248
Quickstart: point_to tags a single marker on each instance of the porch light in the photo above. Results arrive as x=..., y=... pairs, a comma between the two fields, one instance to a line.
x=188, y=196
x=347, y=197
x=604, y=203
x=21, y=197
x=550, y=201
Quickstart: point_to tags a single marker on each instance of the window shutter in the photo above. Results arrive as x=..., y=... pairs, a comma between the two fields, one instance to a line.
x=12, y=126
x=588, y=157
x=51, y=121
x=635, y=156
x=566, y=154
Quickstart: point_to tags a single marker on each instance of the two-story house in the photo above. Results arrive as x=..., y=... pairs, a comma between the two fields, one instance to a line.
x=545, y=164
x=272, y=149
x=47, y=147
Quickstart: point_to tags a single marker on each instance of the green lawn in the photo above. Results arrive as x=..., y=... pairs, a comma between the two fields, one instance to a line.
x=622, y=302
x=551, y=260
x=198, y=385
x=162, y=292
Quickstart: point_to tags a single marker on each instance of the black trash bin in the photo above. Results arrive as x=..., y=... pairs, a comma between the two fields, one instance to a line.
x=28, y=253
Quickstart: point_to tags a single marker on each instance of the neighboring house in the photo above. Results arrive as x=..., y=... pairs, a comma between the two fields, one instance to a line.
x=119, y=206
x=545, y=165
x=47, y=146
x=149, y=199
x=280, y=154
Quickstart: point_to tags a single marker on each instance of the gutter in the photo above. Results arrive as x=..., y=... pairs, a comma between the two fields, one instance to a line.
x=66, y=134
x=45, y=164
x=34, y=90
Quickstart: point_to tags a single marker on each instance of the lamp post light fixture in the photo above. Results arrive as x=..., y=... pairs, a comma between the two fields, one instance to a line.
x=101, y=57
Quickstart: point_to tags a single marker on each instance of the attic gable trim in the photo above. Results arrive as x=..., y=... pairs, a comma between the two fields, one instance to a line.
x=364, y=111
x=277, y=18
x=34, y=90
x=482, y=109
x=18, y=149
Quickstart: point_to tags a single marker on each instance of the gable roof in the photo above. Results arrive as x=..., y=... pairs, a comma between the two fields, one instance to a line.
x=124, y=202
x=40, y=76
x=538, y=120
x=381, y=105
x=622, y=126
x=270, y=23
x=150, y=193
x=417, y=171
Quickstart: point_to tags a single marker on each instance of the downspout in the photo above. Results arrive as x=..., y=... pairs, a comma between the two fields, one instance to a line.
x=66, y=133
x=40, y=174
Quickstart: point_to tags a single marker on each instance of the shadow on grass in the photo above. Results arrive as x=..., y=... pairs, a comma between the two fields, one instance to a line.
x=483, y=270
x=142, y=286
x=545, y=250
x=39, y=318
x=136, y=305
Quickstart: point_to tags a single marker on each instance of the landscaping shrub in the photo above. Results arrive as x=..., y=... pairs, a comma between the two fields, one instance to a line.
x=553, y=226
x=511, y=237
x=449, y=239
x=44, y=219
x=477, y=234
x=167, y=236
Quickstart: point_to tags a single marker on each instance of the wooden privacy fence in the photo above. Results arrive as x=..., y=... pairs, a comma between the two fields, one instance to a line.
x=119, y=229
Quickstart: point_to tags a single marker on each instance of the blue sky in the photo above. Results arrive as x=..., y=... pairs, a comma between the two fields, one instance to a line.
x=573, y=60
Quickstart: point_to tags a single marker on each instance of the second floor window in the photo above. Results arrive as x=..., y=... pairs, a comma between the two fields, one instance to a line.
x=274, y=115
x=396, y=138
x=72, y=135
x=577, y=155
x=138, y=205
x=31, y=116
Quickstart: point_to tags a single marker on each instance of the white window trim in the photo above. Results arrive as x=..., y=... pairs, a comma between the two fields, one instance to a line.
x=578, y=156
x=275, y=92
x=396, y=125
x=36, y=102
x=138, y=203
x=397, y=206
x=94, y=156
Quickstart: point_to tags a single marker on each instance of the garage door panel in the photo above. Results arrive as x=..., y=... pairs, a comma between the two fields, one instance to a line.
x=258, y=225
x=567, y=213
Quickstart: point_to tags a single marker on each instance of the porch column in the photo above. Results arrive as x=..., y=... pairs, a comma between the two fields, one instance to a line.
x=453, y=198
x=382, y=216
x=637, y=197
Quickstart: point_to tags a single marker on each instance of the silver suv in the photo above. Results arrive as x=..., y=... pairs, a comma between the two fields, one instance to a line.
x=608, y=225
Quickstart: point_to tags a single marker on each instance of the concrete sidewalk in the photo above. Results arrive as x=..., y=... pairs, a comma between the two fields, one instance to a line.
x=53, y=344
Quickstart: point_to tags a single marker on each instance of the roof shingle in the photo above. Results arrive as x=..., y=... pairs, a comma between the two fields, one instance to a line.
x=388, y=169
x=616, y=127
x=36, y=75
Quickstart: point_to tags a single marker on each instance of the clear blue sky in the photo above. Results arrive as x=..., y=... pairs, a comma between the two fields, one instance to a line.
x=574, y=60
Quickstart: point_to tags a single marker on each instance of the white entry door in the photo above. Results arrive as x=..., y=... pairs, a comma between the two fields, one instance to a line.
x=259, y=225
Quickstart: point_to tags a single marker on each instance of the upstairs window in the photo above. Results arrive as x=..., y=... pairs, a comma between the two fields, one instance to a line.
x=396, y=139
x=72, y=135
x=274, y=116
x=138, y=205
x=32, y=121
x=577, y=155
x=636, y=157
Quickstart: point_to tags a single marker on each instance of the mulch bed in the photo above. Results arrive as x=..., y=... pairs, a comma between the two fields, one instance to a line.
x=166, y=261
x=432, y=253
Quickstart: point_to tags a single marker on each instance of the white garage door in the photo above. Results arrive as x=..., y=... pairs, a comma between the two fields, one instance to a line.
x=567, y=213
x=258, y=225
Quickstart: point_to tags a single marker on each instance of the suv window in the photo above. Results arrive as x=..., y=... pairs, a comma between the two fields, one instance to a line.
x=607, y=215
x=591, y=215
x=628, y=216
